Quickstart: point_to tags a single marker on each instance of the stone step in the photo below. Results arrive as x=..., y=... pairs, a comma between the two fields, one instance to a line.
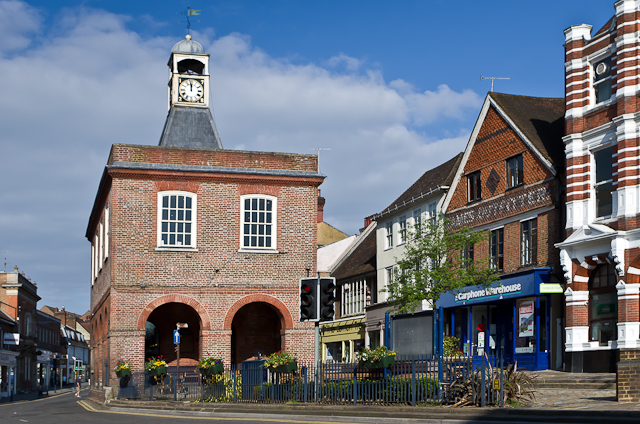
x=599, y=385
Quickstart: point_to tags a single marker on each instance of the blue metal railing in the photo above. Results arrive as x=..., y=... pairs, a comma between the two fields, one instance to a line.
x=410, y=381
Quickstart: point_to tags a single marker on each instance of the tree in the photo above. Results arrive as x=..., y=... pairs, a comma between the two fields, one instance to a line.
x=432, y=265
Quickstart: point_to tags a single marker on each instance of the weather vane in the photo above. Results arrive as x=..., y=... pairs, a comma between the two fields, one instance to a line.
x=189, y=13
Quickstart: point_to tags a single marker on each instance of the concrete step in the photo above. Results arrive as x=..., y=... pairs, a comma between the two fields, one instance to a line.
x=591, y=385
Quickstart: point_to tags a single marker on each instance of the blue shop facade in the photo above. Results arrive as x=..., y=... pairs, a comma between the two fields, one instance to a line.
x=520, y=317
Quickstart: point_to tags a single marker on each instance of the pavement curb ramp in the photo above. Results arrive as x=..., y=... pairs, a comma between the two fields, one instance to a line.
x=376, y=411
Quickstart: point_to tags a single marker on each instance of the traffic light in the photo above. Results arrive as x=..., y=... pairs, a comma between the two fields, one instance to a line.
x=308, y=299
x=327, y=298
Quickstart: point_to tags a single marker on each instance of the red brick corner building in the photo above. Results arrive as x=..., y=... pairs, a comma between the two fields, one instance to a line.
x=188, y=232
x=601, y=255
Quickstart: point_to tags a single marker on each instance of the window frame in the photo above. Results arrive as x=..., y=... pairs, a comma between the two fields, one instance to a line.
x=599, y=81
x=193, y=222
x=529, y=255
x=274, y=224
x=388, y=243
x=598, y=187
x=496, y=260
x=402, y=229
x=515, y=179
x=417, y=220
x=474, y=187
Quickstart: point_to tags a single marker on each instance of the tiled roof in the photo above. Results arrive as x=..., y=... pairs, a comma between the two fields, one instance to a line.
x=441, y=175
x=361, y=261
x=541, y=120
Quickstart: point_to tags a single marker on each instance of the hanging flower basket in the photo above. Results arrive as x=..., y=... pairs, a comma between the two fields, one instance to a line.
x=156, y=366
x=212, y=370
x=123, y=373
x=281, y=362
x=123, y=369
x=286, y=368
x=155, y=372
x=380, y=357
x=384, y=362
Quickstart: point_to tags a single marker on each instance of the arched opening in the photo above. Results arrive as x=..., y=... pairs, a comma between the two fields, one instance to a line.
x=256, y=329
x=190, y=66
x=159, y=333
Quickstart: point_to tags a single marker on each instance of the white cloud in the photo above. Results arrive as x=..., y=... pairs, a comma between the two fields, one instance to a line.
x=19, y=22
x=89, y=82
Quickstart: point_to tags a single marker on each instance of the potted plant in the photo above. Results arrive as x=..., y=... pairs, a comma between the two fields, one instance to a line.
x=380, y=357
x=123, y=369
x=155, y=366
x=281, y=362
x=210, y=366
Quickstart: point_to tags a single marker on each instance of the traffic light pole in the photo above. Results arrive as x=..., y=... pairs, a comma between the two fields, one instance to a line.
x=316, y=361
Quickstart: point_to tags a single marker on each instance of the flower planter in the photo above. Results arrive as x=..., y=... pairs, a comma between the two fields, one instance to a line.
x=212, y=370
x=385, y=362
x=123, y=373
x=290, y=367
x=155, y=372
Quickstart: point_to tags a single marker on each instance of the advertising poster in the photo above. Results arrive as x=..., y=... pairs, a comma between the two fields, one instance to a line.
x=525, y=319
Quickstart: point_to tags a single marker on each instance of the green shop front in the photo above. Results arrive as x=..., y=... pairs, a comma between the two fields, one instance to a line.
x=519, y=318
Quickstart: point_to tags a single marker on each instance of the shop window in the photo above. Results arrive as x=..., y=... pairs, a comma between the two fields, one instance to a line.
x=474, y=191
x=528, y=242
x=602, y=80
x=496, y=249
x=603, y=185
x=515, y=172
x=525, y=330
x=603, y=305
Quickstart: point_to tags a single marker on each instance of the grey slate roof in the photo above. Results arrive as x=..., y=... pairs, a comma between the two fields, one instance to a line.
x=191, y=127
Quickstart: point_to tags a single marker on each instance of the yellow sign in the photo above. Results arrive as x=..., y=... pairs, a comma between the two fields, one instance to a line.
x=496, y=384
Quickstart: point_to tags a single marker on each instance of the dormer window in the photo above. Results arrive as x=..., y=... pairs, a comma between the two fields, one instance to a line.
x=602, y=80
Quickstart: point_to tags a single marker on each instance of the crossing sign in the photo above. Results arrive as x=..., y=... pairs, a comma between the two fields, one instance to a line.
x=176, y=336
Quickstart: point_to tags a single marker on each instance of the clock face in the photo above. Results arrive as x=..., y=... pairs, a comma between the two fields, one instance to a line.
x=190, y=90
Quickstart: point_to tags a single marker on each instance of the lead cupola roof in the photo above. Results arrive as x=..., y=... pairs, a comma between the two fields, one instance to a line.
x=187, y=46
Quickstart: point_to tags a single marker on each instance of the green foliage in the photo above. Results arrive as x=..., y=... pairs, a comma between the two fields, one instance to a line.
x=518, y=386
x=451, y=346
x=219, y=388
x=432, y=265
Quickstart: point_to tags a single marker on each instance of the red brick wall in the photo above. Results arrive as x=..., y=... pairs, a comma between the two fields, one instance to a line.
x=498, y=142
x=217, y=279
x=628, y=376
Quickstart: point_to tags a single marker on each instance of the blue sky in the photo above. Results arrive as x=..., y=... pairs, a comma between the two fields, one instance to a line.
x=392, y=88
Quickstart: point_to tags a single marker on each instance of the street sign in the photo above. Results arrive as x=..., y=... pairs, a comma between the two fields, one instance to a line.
x=11, y=338
x=176, y=336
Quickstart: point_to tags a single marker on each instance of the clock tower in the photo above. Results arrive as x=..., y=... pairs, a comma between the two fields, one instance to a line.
x=189, y=122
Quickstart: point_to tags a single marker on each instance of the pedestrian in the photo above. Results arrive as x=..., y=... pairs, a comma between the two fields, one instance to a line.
x=78, y=387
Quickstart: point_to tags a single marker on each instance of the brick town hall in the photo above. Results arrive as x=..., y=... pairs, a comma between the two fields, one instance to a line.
x=189, y=232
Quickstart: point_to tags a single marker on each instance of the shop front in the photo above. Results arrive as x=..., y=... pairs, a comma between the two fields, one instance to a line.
x=8, y=364
x=341, y=339
x=519, y=318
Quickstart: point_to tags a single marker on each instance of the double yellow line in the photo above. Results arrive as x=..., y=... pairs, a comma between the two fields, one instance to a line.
x=90, y=408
